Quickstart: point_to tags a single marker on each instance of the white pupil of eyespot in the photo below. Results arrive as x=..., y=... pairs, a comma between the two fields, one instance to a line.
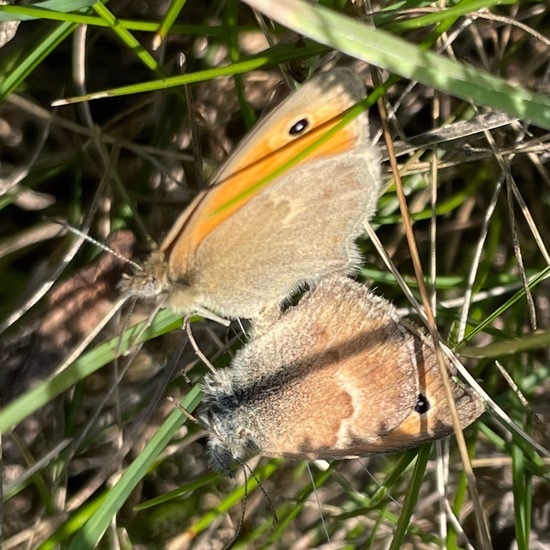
x=298, y=127
x=422, y=404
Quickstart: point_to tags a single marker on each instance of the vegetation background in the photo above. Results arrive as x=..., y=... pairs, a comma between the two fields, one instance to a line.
x=93, y=451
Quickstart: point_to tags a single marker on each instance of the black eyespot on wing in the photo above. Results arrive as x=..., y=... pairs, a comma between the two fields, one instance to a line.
x=422, y=404
x=299, y=127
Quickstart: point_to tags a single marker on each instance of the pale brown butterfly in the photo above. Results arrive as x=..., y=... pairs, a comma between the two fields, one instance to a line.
x=340, y=375
x=235, y=254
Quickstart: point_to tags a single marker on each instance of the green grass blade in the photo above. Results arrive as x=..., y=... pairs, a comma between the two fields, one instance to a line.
x=398, y=56
x=168, y=21
x=411, y=497
x=35, y=57
x=91, y=533
x=87, y=364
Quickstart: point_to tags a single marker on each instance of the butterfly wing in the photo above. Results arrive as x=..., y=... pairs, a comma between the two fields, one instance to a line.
x=227, y=243
x=337, y=376
x=431, y=419
x=330, y=374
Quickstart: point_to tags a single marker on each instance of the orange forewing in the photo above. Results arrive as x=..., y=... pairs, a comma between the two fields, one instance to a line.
x=218, y=203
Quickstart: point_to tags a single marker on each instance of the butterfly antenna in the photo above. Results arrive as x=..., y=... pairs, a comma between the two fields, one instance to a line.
x=97, y=243
x=248, y=473
x=243, y=507
x=266, y=496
